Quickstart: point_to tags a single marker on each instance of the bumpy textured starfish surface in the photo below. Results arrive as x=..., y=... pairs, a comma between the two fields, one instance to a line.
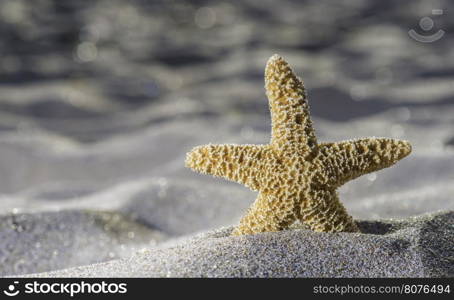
x=296, y=176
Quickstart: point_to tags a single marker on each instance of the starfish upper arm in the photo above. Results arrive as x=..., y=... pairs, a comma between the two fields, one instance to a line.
x=348, y=160
x=291, y=122
x=239, y=163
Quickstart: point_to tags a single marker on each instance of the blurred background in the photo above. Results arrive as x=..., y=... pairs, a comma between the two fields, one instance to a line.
x=100, y=100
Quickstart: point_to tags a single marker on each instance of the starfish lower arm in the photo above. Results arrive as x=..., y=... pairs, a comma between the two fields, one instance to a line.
x=322, y=211
x=267, y=214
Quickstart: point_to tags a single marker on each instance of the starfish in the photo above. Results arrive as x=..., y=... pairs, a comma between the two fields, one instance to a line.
x=295, y=175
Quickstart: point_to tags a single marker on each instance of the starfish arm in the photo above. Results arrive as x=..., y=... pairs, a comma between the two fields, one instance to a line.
x=291, y=122
x=267, y=213
x=322, y=211
x=239, y=163
x=345, y=161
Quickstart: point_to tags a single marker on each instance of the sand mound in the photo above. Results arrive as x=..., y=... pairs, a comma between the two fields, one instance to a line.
x=415, y=247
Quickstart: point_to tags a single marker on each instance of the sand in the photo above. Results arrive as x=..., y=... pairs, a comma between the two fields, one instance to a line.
x=415, y=247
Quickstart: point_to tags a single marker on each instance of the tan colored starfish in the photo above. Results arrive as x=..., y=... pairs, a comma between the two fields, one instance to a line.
x=296, y=177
